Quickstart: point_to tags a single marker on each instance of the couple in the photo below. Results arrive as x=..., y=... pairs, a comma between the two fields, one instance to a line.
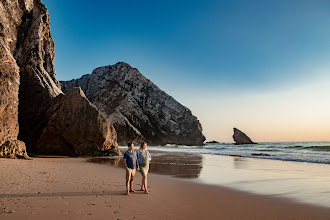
x=139, y=161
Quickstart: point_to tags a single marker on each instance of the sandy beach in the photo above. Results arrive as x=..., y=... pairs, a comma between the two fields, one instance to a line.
x=71, y=188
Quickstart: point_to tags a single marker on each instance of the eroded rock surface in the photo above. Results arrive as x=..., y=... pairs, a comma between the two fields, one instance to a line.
x=29, y=89
x=35, y=55
x=11, y=13
x=138, y=109
x=13, y=149
x=76, y=127
x=241, y=138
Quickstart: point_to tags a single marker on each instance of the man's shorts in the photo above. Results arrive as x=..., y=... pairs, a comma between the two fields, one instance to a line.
x=130, y=174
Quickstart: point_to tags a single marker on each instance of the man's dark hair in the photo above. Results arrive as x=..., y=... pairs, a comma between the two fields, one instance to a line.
x=129, y=144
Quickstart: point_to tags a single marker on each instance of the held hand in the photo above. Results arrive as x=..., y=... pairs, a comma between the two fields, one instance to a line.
x=138, y=168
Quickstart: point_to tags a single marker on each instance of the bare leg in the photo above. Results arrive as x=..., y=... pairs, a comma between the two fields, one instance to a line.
x=131, y=188
x=127, y=187
x=142, y=184
x=145, y=185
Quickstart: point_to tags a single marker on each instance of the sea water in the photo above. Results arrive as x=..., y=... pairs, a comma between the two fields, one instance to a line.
x=313, y=152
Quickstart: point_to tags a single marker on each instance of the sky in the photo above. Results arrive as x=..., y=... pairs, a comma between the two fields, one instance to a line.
x=260, y=66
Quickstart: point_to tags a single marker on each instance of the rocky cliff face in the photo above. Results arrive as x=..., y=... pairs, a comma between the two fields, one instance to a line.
x=138, y=109
x=241, y=138
x=10, y=20
x=35, y=56
x=75, y=127
x=27, y=74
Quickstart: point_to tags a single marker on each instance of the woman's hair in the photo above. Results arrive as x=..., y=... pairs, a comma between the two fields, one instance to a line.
x=142, y=145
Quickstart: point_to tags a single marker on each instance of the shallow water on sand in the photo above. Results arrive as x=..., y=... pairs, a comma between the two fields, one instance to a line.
x=300, y=181
x=182, y=165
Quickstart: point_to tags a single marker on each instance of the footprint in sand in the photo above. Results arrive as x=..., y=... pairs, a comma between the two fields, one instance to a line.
x=115, y=212
x=32, y=213
x=6, y=211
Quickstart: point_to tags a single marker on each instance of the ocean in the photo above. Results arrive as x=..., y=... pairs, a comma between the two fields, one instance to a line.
x=312, y=152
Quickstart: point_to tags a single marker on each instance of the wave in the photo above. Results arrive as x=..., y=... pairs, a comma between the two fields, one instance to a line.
x=268, y=150
x=319, y=148
x=314, y=148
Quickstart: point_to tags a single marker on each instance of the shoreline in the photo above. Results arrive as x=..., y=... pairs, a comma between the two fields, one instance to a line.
x=69, y=188
x=301, y=182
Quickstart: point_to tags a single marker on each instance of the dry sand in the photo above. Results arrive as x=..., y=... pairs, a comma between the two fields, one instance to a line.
x=70, y=188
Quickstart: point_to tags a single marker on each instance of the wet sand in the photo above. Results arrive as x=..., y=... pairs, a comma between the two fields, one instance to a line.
x=301, y=182
x=183, y=165
x=70, y=188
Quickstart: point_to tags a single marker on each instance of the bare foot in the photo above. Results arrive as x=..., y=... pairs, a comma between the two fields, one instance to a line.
x=132, y=190
x=127, y=193
x=142, y=189
x=146, y=192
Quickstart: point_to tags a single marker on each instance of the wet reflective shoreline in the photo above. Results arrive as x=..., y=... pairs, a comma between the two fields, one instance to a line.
x=299, y=181
x=182, y=165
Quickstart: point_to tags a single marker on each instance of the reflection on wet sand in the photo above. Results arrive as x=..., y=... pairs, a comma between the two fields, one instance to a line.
x=182, y=165
x=240, y=163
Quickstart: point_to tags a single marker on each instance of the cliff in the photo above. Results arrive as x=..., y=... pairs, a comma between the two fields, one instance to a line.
x=241, y=138
x=138, y=109
x=28, y=85
x=11, y=16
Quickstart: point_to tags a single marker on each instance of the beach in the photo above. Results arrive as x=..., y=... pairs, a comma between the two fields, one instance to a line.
x=71, y=188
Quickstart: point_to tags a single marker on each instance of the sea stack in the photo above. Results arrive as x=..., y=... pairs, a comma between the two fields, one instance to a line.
x=138, y=109
x=241, y=138
x=30, y=95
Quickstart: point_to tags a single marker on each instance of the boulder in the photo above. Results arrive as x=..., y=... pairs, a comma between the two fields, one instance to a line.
x=212, y=142
x=138, y=109
x=260, y=154
x=75, y=127
x=241, y=138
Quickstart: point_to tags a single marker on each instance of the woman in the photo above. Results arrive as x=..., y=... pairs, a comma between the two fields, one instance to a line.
x=144, y=158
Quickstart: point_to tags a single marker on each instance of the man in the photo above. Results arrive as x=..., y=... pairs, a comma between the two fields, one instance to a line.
x=131, y=164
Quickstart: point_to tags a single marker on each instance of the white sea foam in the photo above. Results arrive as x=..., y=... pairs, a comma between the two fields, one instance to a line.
x=314, y=152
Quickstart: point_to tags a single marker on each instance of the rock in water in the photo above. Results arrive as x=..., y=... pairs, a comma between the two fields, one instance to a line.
x=138, y=109
x=241, y=138
x=75, y=127
x=27, y=73
x=212, y=142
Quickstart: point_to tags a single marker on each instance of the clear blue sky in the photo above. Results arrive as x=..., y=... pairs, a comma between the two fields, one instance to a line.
x=228, y=61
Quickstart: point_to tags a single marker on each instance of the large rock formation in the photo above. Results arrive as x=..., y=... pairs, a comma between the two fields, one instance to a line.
x=27, y=72
x=75, y=127
x=138, y=109
x=35, y=56
x=11, y=13
x=241, y=138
